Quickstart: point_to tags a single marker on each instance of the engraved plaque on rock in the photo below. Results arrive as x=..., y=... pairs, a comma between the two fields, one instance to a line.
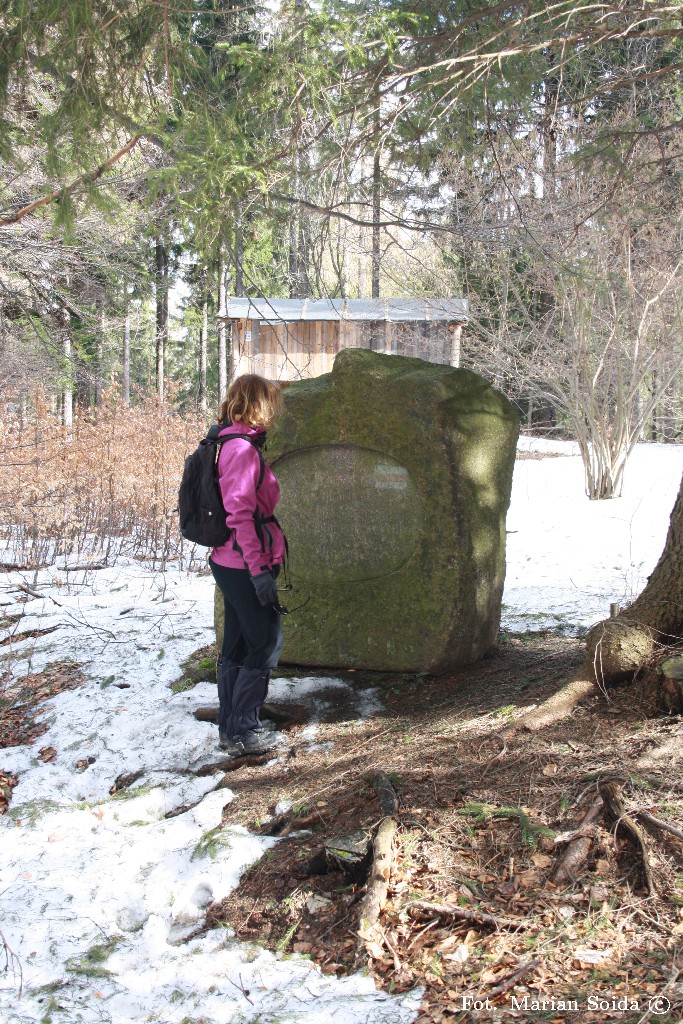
x=355, y=512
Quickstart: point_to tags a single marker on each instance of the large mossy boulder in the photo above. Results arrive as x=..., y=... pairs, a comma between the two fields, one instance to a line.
x=396, y=476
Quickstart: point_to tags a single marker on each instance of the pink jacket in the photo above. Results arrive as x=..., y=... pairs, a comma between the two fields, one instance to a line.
x=238, y=472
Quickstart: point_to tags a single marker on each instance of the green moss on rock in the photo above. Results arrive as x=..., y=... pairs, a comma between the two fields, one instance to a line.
x=396, y=477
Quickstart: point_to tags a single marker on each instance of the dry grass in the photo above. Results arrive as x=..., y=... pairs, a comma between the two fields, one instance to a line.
x=109, y=487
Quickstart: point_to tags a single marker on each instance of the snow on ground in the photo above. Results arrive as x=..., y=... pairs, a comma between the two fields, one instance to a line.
x=98, y=893
x=569, y=558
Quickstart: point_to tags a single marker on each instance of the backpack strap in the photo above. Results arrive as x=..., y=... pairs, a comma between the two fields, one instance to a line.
x=253, y=442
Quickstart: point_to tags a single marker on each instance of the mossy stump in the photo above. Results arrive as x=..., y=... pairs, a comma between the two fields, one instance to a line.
x=396, y=477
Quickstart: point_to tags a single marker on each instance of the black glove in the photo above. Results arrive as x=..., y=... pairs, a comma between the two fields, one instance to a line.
x=265, y=587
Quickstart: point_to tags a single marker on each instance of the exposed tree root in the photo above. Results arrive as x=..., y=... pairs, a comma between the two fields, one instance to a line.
x=610, y=792
x=657, y=824
x=560, y=705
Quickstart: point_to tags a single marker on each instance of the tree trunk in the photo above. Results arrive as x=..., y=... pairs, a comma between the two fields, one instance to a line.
x=549, y=135
x=67, y=394
x=161, y=281
x=295, y=240
x=203, y=343
x=222, y=350
x=125, y=384
x=99, y=353
x=617, y=649
x=239, y=254
x=376, y=202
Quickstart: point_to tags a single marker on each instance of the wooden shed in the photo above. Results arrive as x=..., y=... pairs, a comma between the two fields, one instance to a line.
x=285, y=339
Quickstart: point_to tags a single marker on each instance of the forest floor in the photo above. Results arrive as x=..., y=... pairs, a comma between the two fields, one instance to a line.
x=478, y=821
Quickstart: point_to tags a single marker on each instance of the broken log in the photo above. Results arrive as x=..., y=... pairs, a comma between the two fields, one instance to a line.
x=378, y=883
x=579, y=847
x=386, y=794
x=209, y=713
x=349, y=854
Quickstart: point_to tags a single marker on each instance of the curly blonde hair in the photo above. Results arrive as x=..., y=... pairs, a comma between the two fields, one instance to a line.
x=252, y=400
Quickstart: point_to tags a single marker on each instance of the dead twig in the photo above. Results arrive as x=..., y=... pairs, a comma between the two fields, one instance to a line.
x=398, y=966
x=653, y=1008
x=512, y=979
x=36, y=593
x=12, y=962
x=475, y=916
x=240, y=988
x=497, y=757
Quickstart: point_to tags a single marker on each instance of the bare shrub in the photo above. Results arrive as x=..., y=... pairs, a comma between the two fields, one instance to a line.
x=107, y=487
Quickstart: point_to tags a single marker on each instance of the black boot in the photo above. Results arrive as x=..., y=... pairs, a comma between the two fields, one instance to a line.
x=231, y=746
x=249, y=692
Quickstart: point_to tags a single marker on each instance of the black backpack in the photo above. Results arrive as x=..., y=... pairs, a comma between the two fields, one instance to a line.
x=202, y=515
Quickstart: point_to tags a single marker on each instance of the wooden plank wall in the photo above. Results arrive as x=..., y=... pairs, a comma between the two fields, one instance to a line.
x=307, y=349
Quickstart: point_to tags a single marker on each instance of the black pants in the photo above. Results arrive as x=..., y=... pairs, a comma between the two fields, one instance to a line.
x=252, y=642
x=252, y=633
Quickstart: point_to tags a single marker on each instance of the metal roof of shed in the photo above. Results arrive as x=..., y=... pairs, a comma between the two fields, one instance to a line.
x=276, y=311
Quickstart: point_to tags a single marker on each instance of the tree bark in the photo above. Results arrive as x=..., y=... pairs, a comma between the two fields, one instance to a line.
x=203, y=344
x=161, y=281
x=239, y=254
x=376, y=201
x=67, y=396
x=125, y=385
x=99, y=354
x=222, y=349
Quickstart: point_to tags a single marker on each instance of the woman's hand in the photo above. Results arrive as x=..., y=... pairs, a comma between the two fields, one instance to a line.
x=265, y=587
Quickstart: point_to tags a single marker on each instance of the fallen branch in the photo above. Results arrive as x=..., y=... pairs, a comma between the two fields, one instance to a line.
x=579, y=846
x=12, y=963
x=84, y=567
x=29, y=634
x=378, y=883
x=36, y=593
x=473, y=916
x=20, y=567
x=125, y=781
x=233, y=764
x=512, y=979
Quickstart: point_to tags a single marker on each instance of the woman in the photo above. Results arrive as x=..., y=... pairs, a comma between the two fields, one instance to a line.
x=246, y=566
